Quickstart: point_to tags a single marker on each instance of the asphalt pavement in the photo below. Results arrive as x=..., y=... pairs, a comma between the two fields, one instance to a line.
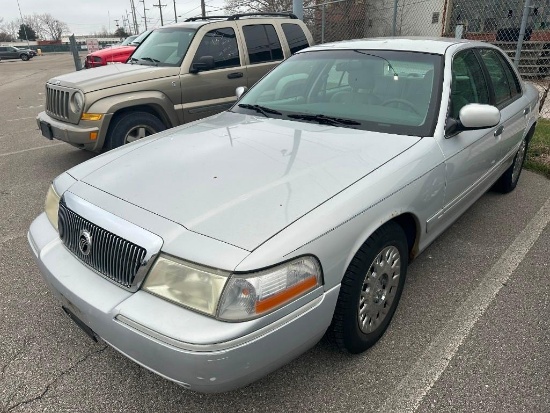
x=471, y=333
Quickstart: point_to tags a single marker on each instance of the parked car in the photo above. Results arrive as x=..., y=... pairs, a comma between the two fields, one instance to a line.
x=180, y=73
x=115, y=53
x=215, y=252
x=11, y=52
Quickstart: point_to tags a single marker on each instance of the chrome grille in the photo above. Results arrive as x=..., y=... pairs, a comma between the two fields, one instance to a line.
x=57, y=102
x=112, y=256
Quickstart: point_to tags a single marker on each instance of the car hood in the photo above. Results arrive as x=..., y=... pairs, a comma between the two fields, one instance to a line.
x=111, y=76
x=238, y=178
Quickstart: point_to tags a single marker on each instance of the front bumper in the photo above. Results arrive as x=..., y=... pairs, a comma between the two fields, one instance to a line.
x=76, y=135
x=119, y=317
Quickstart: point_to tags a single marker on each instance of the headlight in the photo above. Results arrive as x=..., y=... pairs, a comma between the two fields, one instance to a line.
x=52, y=205
x=251, y=295
x=186, y=284
x=245, y=296
x=77, y=102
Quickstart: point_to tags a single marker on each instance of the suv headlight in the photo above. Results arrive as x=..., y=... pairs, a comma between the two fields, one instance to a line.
x=77, y=102
x=52, y=206
x=232, y=297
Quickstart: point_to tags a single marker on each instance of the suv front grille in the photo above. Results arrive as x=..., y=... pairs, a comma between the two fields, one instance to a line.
x=57, y=102
x=112, y=256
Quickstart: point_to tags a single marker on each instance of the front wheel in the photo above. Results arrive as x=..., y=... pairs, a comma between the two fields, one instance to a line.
x=371, y=289
x=130, y=127
x=509, y=179
x=24, y=57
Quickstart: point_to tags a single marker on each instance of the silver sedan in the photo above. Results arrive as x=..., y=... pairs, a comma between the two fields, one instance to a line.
x=215, y=252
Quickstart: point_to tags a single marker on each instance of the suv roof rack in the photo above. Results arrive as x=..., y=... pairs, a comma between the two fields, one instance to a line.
x=238, y=16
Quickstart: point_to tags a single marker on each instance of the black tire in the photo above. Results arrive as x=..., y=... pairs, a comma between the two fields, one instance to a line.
x=509, y=179
x=24, y=57
x=123, y=126
x=360, y=280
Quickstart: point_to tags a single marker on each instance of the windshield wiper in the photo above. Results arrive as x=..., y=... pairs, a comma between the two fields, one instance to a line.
x=150, y=59
x=260, y=109
x=326, y=120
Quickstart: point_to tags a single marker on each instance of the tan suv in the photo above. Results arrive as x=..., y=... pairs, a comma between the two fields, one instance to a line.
x=179, y=73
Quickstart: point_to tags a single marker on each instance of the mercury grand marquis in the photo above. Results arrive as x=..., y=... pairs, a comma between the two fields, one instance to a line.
x=215, y=252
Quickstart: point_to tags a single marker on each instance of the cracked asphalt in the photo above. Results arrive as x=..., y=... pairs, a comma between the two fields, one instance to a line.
x=472, y=331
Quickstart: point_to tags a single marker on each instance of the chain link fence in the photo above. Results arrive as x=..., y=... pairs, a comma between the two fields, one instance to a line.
x=519, y=27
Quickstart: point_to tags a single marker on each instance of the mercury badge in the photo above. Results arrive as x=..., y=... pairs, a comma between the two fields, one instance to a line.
x=85, y=242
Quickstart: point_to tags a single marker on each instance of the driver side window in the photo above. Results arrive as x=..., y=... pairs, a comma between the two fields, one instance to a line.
x=468, y=83
x=221, y=44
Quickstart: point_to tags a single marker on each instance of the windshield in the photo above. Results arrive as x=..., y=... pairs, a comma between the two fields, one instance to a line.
x=163, y=47
x=377, y=90
x=128, y=40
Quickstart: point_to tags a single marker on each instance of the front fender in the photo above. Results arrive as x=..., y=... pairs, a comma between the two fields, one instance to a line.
x=156, y=100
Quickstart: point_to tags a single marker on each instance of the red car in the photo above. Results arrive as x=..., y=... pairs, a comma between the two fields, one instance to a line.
x=115, y=54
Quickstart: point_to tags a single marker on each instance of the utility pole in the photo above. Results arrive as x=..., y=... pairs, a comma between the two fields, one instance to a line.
x=160, y=6
x=175, y=14
x=203, y=8
x=124, y=24
x=23, y=23
x=136, y=25
x=129, y=25
x=144, y=15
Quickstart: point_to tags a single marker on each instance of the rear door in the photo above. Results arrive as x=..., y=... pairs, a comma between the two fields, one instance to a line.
x=514, y=107
x=209, y=92
x=263, y=50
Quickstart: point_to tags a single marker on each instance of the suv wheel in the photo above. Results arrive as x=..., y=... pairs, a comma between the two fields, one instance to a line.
x=24, y=57
x=131, y=127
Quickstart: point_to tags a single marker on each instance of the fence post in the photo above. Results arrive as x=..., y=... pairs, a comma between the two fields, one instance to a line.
x=526, y=9
x=298, y=8
x=74, y=50
x=394, y=26
x=323, y=21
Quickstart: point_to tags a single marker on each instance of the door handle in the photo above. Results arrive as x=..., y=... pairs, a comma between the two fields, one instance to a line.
x=526, y=110
x=499, y=131
x=235, y=75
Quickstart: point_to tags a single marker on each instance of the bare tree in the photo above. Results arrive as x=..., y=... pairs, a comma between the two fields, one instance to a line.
x=12, y=28
x=5, y=37
x=52, y=27
x=35, y=22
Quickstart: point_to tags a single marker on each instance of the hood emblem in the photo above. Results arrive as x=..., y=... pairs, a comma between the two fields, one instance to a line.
x=57, y=82
x=85, y=242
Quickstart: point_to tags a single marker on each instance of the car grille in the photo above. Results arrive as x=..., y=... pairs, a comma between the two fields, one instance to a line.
x=57, y=102
x=112, y=256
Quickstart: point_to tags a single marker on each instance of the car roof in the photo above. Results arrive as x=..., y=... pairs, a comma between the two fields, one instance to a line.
x=434, y=45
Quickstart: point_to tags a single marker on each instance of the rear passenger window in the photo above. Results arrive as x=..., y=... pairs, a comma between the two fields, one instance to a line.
x=262, y=43
x=505, y=83
x=295, y=37
x=221, y=44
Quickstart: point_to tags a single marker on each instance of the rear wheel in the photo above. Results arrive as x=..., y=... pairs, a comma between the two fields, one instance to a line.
x=130, y=127
x=509, y=179
x=24, y=57
x=371, y=289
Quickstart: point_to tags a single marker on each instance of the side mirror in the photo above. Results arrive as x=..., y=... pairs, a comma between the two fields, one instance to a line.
x=241, y=90
x=203, y=64
x=473, y=116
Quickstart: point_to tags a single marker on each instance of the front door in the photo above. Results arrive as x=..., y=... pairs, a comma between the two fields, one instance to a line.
x=471, y=154
x=212, y=91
